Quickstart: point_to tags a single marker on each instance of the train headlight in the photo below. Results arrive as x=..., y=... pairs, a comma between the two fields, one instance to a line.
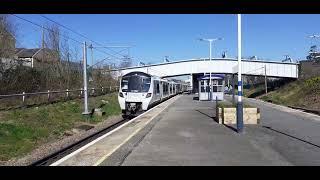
x=120, y=94
x=148, y=95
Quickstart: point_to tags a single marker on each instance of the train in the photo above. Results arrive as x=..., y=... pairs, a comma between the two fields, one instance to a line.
x=140, y=91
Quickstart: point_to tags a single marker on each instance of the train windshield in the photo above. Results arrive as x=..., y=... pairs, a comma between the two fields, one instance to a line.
x=135, y=83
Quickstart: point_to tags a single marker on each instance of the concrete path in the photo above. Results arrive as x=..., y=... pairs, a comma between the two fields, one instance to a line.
x=186, y=134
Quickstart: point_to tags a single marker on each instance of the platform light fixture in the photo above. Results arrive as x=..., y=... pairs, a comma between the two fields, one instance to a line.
x=210, y=56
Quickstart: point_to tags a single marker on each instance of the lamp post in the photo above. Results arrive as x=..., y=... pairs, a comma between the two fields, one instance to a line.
x=210, y=49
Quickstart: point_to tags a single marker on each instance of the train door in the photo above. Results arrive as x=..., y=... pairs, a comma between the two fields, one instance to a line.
x=161, y=89
x=167, y=89
x=156, y=90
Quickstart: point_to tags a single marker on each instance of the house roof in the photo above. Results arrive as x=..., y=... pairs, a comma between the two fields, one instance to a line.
x=17, y=50
x=26, y=53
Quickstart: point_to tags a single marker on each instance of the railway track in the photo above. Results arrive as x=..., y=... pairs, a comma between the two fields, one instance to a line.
x=46, y=161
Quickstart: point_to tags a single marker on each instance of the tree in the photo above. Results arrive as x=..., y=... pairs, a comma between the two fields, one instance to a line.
x=7, y=37
x=52, y=41
x=314, y=54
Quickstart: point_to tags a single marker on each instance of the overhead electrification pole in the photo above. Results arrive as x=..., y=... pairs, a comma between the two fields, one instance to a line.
x=85, y=86
x=239, y=104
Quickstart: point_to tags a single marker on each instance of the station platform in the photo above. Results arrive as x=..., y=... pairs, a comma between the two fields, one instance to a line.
x=186, y=134
x=182, y=132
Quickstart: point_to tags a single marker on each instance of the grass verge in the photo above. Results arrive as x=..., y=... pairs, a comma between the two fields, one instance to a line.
x=23, y=130
x=301, y=93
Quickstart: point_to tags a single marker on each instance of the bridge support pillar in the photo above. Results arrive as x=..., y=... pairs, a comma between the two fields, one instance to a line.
x=191, y=82
x=233, y=88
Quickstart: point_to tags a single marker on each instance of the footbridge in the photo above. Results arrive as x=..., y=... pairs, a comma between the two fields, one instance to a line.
x=219, y=66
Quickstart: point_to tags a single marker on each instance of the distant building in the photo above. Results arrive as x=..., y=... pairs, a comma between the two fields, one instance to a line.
x=34, y=57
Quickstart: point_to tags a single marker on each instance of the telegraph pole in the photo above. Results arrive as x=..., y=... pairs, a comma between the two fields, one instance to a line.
x=91, y=49
x=239, y=104
x=42, y=43
x=68, y=69
x=85, y=86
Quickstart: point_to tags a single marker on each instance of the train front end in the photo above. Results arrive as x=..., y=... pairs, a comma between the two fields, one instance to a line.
x=135, y=93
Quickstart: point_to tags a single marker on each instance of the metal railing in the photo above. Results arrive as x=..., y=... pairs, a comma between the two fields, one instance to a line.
x=91, y=92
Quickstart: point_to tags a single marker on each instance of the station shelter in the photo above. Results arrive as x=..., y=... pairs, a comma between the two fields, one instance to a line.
x=217, y=87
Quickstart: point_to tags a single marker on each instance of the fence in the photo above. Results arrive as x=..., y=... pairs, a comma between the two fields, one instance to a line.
x=12, y=101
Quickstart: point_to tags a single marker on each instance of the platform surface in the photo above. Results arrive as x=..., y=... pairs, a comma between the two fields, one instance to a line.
x=186, y=134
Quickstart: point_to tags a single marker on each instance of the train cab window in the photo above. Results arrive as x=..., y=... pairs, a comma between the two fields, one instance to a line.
x=135, y=83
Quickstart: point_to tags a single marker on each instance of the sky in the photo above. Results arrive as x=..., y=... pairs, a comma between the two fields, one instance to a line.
x=154, y=36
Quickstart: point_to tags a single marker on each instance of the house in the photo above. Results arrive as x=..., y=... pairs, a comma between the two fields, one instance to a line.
x=34, y=57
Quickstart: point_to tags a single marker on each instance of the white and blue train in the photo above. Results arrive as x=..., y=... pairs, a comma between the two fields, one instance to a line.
x=140, y=91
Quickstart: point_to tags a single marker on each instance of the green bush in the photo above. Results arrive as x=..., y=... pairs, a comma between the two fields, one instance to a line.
x=313, y=83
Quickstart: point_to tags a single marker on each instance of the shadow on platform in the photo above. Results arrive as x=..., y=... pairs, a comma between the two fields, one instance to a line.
x=231, y=127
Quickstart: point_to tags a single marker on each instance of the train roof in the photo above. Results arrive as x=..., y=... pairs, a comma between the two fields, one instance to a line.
x=137, y=73
x=174, y=81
